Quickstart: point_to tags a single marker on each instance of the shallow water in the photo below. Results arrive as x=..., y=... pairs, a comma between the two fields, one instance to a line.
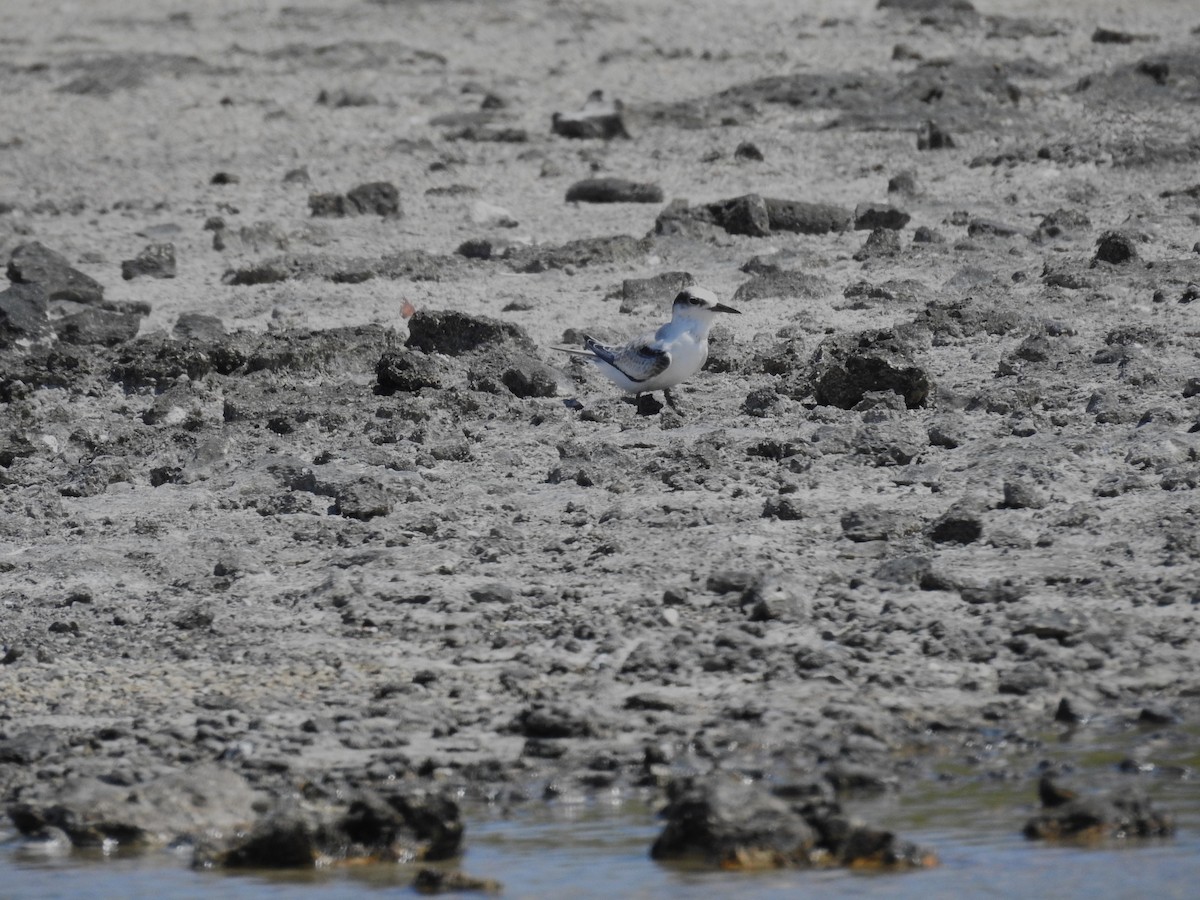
x=601, y=851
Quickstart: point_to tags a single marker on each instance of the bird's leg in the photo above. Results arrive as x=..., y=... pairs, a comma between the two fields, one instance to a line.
x=672, y=400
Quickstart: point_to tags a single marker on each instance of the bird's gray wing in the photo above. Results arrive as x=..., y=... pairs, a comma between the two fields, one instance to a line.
x=639, y=360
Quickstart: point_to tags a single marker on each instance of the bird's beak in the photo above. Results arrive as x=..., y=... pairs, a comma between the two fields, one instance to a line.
x=721, y=307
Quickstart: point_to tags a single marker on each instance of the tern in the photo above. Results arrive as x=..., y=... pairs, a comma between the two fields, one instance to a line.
x=660, y=360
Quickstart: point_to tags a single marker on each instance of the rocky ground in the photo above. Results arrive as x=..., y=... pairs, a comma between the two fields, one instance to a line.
x=299, y=505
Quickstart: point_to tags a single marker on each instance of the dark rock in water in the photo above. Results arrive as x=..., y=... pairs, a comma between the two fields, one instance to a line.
x=378, y=197
x=931, y=136
x=33, y=263
x=98, y=326
x=962, y=523
x=397, y=826
x=869, y=216
x=1067, y=714
x=800, y=217
x=1116, y=247
x=598, y=119
x=880, y=242
x=1122, y=814
x=23, y=314
x=846, y=367
x=722, y=821
x=154, y=813
x=199, y=327
x=406, y=370
x=285, y=839
x=435, y=881
x=743, y=215
x=156, y=260
x=746, y=151
x=455, y=333
x=613, y=190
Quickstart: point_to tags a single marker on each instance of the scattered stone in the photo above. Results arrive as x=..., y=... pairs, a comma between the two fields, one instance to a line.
x=1063, y=223
x=598, y=119
x=903, y=183
x=846, y=367
x=98, y=327
x=869, y=216
x=378, y=197
x=882, y=242
x=156, y=260
x=613, y=190
x=931, y=136
x=782, y=284
x=991, y=228
x=341, y=98
x=24, y=315
x=33, y=263
x=455, y=333
x=1104, y=35
x=200, y=327
x=224, y=178
x=748, y=152
x=1116, y=247
x=799, y=217
x=962, y=523
x=743, y=215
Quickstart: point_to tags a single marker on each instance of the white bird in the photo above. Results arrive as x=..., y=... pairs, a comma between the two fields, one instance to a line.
x=660, y=360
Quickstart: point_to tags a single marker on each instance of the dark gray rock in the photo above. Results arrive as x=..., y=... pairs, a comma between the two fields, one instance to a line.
x=782, y=284
x=156, y=261
x=455, y=333
x=869, y=216
x=618, y=248
x=931, y=136
x=598, y=119
x=846, y=367
x=991, y=228
x=748, y=152
x=1116, y=247
x=882, y=242
x=742, y=215
x=962, y=523
x=542, y=721
x=32, y=263
x=23, y=315
x=613, y=190
x=401, y=369
x=98, y=327
x=199, y=327
x=800, y=217
x=378, y=197
x=1064, y=224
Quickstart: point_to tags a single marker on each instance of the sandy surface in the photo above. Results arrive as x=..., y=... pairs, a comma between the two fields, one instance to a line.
x=282, y=568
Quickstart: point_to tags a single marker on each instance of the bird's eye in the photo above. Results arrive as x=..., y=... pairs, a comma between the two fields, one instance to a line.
x=696, y=301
